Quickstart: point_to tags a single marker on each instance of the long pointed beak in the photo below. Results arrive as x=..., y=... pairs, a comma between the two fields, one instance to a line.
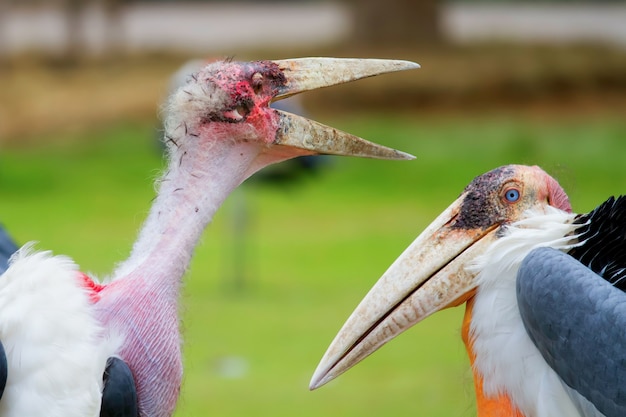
x=306, y=74
x=429, y=275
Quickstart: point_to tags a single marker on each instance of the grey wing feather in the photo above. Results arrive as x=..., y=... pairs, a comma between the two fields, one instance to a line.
x=7, y=248
x=577, y=320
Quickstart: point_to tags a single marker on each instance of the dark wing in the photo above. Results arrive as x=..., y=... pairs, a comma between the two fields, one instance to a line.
x=119, y=396
x=603, y=236
x=577, y=320
x=3, y=370
x=7, y=248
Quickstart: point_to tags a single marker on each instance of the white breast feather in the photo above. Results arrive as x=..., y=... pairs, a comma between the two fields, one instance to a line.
x=55, y=348
x=505, y=355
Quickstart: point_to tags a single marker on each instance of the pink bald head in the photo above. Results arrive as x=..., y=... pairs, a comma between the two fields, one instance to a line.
x=556, y=196
x=549, y=189
x=227, y=100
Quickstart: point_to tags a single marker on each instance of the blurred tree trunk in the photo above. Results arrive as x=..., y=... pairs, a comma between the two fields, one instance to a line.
x=75, y=12
x=114, y=36
x=395, y=22
x=72, y=10
x=4, y=52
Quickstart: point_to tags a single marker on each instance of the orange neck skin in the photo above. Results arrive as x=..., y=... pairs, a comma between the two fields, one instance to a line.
x=499, y=406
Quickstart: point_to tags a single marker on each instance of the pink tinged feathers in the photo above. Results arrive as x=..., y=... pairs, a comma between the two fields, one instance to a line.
x=92, y=287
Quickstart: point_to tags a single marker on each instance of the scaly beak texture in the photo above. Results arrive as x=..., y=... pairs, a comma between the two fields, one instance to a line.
x=429, y=275
x=306, y=74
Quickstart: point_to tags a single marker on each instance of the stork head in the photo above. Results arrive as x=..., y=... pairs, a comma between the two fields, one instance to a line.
x=432, y=273
x=230, y=102
x=219, y=129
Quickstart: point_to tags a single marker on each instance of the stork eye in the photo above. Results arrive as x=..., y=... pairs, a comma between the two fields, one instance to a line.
x=237, y=114
x=242, y=110
x=512, y=195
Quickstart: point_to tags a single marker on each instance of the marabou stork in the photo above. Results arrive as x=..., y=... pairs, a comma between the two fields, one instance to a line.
x=60, y=327
x=556, y=354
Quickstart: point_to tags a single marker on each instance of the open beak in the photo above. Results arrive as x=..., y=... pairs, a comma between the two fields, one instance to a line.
x=430, y=275
x=306, y=74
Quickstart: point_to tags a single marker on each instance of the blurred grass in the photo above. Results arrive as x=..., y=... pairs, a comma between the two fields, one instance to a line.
x=312, y=250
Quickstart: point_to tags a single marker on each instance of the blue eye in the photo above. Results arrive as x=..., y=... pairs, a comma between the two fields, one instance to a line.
x=511, y=195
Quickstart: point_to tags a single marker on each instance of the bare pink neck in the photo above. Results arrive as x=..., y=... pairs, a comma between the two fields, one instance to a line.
x=189, y=195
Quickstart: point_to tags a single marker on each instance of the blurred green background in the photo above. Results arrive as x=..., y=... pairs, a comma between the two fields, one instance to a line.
x=283, y=264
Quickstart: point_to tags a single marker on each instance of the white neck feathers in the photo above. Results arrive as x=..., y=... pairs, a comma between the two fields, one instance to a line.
x=505, y=356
